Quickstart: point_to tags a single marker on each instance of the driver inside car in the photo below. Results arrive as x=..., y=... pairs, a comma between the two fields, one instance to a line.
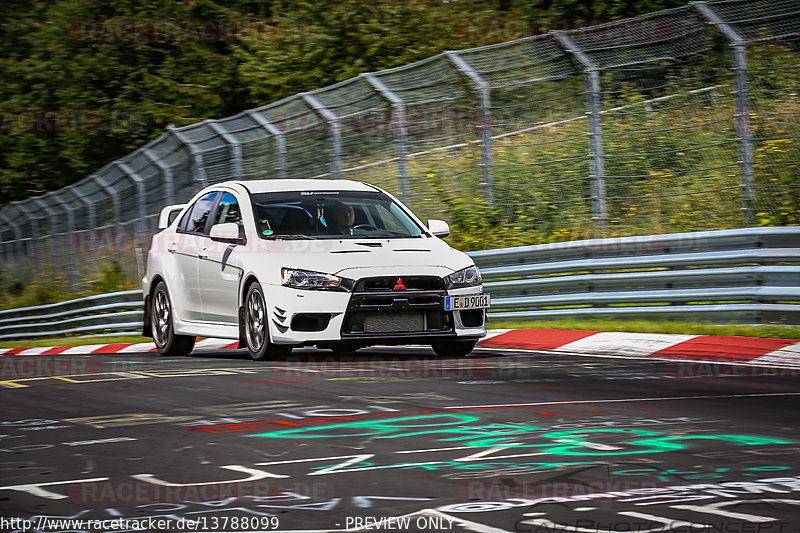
x=342, y=218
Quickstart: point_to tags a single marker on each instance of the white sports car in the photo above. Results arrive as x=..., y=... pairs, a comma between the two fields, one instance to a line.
x=283, y=263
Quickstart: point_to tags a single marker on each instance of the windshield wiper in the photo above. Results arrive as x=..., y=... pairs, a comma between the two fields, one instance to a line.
x=292, y=237
x=380, y=234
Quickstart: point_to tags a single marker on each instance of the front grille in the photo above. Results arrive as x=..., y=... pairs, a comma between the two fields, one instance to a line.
x=377, y=309
x=394, y=284
x=394, y=322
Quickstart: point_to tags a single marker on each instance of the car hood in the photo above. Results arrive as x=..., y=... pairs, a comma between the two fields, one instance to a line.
x=354, y=257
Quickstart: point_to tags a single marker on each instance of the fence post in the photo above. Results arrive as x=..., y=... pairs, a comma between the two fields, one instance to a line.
x=142, y=192
x=236, y=147
x=400, y=130
x=592, y=71
x=92, y=225
x=197, y=156
x=115, y=207
x=17, y=232
x=169, y=179
x=142, y=213
x=17, y=237
x=280, y=140
x=742, y=99
x=334, y=128
x=33, y=252
x=73, y=259
x=51, y=245
x=27, y=245
x=76, y=242
x=485, y=121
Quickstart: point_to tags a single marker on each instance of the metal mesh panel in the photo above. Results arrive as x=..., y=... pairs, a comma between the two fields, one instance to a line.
x=258, y=150
x=440, y=125
x=668, y=124
x=169, y=150
x=122, y=186
x=669, y=35
x=174, y=156
x=539, y=133
x=365, y=121
x=670, y=147
x=154, y=182
x=87, y=188
x=773, y=83
x=308, y=146
x=217, y=155
x=761, y=20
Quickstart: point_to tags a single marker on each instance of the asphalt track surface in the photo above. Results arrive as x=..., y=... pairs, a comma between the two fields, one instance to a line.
x=503, y=440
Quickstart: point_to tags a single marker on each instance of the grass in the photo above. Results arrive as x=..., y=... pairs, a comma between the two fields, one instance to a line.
x=655, y=326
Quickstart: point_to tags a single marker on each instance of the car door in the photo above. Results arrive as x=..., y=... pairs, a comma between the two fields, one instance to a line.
x=185, y=289
x=219, y=270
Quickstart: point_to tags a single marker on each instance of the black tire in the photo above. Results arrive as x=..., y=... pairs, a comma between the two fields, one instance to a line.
x=256, y=327
x=453, y=348
x=167, y=342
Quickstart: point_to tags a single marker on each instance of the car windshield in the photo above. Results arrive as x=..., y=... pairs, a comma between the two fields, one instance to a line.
x=331, y=214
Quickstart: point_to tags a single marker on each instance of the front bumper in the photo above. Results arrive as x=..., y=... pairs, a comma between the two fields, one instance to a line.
x=311, y=317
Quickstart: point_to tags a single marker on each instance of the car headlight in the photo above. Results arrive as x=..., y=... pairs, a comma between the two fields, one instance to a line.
x=466, y=277
x=306, y=279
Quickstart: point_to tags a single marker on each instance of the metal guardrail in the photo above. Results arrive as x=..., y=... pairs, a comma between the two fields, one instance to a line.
x=112, y=312
x=747, y=275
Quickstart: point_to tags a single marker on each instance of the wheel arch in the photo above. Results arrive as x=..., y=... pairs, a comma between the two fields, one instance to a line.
x=147, y=328
x=247, y=281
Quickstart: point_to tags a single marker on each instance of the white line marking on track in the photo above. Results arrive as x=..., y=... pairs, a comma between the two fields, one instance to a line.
x=622, y=400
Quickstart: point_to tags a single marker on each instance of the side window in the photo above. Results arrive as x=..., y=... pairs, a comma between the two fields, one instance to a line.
x=228, y=210
x=194, y=221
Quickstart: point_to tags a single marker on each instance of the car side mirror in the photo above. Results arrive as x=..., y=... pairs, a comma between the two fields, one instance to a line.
x=227, y=232
x=168, y=215
x=440, y=228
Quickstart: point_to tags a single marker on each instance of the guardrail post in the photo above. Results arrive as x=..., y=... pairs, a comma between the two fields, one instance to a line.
x=236, y=147
x=280, y=140
x=334, y=128
x=594, y=114
x=197, y=156
x=484, y=121
x=169, y=179
x=400, y=131
x=742, y=99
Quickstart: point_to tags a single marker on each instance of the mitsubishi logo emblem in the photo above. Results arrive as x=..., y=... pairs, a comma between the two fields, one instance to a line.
x=399, y=286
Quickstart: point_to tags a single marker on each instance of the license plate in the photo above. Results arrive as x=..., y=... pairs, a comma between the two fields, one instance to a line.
x=466, y=301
